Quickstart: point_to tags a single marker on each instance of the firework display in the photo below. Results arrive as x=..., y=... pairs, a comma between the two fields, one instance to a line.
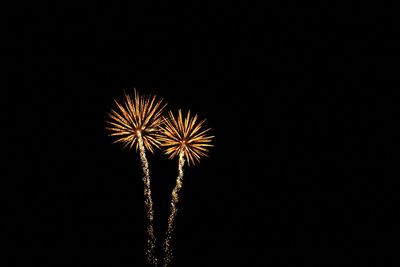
x=139, y=122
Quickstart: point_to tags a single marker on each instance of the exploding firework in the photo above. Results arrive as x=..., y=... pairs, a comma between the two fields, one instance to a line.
x=135, y=123
x=185, y=135
x=185, y=138
x=137, y=118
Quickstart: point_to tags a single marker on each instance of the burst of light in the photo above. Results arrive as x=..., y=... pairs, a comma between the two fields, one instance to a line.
x=185, y=134
x=136, y=116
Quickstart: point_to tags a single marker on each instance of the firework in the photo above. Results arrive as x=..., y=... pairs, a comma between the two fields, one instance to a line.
x=185, y=138
x=135, y=123
x=135, y=118
x=185, y=135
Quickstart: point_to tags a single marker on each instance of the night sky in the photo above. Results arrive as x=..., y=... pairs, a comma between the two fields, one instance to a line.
x=301, y=99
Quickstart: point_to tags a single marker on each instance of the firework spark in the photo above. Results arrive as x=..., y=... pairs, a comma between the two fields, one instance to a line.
x=136, y=117
x=185, y=135
x=185, y=138
x=136, y=123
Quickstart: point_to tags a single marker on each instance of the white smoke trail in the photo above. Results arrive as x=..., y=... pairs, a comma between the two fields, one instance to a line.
x=174, y=201
x=151, y=240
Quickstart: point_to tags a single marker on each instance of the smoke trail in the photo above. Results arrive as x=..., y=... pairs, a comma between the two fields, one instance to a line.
x=151, y=240
x=173, y=212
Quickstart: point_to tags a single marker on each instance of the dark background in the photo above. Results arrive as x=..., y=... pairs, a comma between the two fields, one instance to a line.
x=301, y=99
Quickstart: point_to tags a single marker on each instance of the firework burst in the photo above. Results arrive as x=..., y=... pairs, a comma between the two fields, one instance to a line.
x=186, y=139
x=136, y=117
x=186, y=135
x=135, y=123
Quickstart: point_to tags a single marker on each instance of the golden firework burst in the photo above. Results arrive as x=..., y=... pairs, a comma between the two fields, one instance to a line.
x=135, y=117
x=185, y=135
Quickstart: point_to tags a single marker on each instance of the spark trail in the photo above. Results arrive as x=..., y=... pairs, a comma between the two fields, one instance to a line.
x=151, y=240
x=173, y=212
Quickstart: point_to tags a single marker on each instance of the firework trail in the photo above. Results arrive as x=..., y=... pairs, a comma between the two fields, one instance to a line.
x=151, y=241
x=185, y=138
x=174, y=210
x=135, y=123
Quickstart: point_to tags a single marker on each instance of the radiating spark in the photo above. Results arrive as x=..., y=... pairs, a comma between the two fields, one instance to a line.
x=183, y=137
x=185, y=134
x=136, y=123
x=134, y=116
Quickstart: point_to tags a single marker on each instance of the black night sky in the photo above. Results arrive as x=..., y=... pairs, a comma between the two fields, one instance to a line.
x=301, y=99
